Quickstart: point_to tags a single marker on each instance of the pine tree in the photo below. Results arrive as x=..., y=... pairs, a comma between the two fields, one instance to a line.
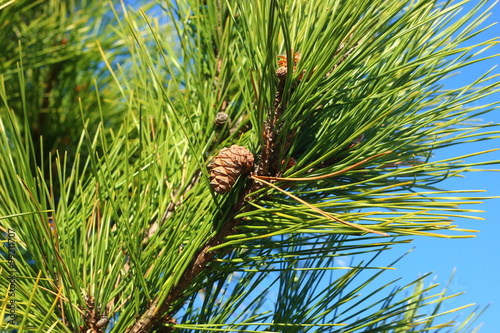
x=202, y=165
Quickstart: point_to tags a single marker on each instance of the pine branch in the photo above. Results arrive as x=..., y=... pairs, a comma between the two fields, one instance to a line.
x=133, y=224
x=158, y=314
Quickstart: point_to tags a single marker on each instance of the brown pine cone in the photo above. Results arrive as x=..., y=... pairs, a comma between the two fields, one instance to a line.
x=227, y=166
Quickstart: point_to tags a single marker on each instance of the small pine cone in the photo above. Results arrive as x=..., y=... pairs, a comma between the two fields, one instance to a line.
x=281, y=73
x=227, y=166
x=103, y=322
x=220, y=118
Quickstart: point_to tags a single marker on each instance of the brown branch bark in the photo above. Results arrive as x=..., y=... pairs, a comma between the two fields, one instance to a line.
x=157, y=314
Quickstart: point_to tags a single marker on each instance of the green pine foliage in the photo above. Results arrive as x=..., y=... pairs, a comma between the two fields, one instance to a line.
x=107, y=128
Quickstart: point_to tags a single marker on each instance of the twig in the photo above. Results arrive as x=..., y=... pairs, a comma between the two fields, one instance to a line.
x=155, y=314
